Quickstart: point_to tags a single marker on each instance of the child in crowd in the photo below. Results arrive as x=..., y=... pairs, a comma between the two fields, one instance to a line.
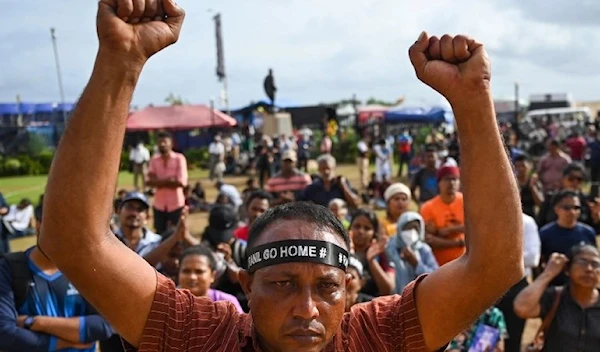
x=339, y=208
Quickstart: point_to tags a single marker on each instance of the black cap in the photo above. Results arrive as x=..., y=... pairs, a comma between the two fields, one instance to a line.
x=136, y=196
x=222, y=222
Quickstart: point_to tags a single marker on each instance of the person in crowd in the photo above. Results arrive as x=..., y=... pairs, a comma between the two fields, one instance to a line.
x=288, y=184
x=258, y=203
x=405, y=142
x=231, y=192
x=4, y=209
x=17, y=223
x=425, y=180
x=195, y=198
x=297, y=304
x=339, y=208
x=133, y=218
x=251, y=187
x=264, y=162
x=197, y=267
x=382, y=160
x=168, y=174
x=329, y=185
x=139, y=156
x=357, y=281
x=362, y=160
x=551, y=165
x=487, y=334
x=216, y=161
x=573, y=179
x=303, y=147
x=444, y=217
x=397, y=199
x=40, y=310
x=408, y=251
x=531, y=259
x=230, y=252
x=326, y=145
x=594, y=161
x=532, y=195
x=566, y=231
x=577, y=146
x=369, y=248
x=576, y=322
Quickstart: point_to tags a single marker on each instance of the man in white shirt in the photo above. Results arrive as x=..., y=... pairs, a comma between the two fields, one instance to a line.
x=18, y=219
x=362, y=160
x=531, y=257
x=139, y=157
x=216, y=150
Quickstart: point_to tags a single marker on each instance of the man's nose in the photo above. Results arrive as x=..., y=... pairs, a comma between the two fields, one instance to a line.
x=305, y=307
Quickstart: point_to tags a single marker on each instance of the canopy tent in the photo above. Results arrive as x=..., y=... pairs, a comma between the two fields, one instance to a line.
x=420, y=114
x=371, y=113
x=178, y=117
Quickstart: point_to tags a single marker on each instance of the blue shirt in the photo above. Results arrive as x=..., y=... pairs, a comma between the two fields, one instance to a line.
x=556, y=239
x=48, y=295
x=316, y=193
x=594, y=148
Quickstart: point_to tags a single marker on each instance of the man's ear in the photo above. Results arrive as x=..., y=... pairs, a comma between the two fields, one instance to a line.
x=348, y=279
x=245, y=279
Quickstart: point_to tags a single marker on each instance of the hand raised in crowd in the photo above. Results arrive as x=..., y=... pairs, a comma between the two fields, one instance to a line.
x=409, y=255
x=225, y=248
x=376, y=248
x=556, y=264
x=534, y=181
x=454, y=66
x=138, y=29
x=182, y=230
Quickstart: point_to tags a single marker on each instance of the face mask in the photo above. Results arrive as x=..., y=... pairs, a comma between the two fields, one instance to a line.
x=409, y=237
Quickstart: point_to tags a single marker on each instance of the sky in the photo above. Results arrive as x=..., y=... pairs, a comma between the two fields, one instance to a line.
x=320, y=51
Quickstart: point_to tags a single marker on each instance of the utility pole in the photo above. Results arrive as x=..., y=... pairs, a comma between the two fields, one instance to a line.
x=58, y=72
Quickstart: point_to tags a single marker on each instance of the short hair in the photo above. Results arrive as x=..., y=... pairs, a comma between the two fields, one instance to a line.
x=200, y=250
x=574, y=167
x=577, y=249
x=328, y=158
x=164, y=134
x=554, y=143
x=312, y=213
x=521, y=157
x=562, y=195
x=369, y=215
x=260, y=194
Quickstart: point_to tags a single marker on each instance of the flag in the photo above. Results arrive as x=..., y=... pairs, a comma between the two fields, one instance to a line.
x=220, y=55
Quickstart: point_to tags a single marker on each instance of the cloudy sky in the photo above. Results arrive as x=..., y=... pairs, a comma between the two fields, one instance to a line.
x=320, y=51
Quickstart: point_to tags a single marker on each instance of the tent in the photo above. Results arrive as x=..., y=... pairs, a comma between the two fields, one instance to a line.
x=420, y=114
x=178, y=117
x=371, y=113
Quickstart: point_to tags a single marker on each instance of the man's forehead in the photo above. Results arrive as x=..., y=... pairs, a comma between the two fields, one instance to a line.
x=291, y=229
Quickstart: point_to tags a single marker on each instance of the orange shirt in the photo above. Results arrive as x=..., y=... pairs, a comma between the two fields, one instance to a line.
x=443, y=215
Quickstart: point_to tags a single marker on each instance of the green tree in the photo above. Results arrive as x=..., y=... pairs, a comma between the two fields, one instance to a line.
x=173, y=99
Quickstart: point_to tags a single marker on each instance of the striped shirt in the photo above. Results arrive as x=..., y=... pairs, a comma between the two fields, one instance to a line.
x=179, y=321
x=297, y=182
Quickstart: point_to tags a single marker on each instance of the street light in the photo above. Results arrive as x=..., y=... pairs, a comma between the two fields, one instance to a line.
x=60, y=83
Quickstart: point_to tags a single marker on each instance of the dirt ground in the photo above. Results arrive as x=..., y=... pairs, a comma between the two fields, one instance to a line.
x=198, y=221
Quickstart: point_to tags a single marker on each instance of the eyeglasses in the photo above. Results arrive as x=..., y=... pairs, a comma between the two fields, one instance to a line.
x=571, y=207
x=584, y=263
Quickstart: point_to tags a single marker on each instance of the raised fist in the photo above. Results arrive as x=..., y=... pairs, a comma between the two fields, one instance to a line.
x=138, y=29
x=456, y=67
x=556, y=264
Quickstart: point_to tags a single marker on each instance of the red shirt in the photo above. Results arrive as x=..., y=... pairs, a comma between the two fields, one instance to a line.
x=242, y=232
x=577, y=147
x=179, y=321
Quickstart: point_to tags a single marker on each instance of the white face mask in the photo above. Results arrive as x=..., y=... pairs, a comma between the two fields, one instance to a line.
x=409, y=237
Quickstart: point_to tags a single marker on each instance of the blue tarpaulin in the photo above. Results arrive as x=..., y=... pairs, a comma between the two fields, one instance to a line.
x=419, y=114
x=33, y=108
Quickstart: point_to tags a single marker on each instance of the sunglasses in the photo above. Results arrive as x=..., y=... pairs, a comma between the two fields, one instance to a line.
x=584, y=263
x=571, y=207
x=575, y=179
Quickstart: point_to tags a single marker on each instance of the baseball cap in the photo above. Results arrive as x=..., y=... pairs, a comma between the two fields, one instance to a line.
x=136, y=196
x=289, y=155
x=222, y=222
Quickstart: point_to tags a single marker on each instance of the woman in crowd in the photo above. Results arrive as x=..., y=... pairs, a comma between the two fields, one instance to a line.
x=576, y=322
x=397, y=198
x=409, y=252
x=197, y=273
x=379, y=273
x=353, y=294
x=339, y=208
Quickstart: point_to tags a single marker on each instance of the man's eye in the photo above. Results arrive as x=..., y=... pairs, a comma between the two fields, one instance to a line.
x=329, y=285
x=283, y=283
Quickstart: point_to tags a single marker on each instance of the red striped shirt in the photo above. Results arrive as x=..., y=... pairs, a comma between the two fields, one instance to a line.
x=179, y=321
x=297, y=182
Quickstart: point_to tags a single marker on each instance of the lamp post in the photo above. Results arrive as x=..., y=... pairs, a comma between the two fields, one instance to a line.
x=58, y=72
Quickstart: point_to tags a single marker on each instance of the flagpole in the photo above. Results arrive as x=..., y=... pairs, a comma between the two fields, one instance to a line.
x=58, y=72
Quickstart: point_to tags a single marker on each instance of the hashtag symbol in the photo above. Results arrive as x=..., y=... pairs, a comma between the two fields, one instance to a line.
x=323, y=253
x=340, y=258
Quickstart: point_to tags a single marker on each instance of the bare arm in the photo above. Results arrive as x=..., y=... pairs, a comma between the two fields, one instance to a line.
x=98, y=264
x=494, y=258
x=64, y=328
x=441, y=242
x=386, y=281
x=349, y=196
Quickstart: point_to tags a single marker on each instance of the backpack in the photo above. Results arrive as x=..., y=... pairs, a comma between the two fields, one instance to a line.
x=22, y=277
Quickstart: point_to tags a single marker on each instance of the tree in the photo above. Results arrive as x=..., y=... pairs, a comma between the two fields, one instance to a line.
x=375, y=101
x=174, y=99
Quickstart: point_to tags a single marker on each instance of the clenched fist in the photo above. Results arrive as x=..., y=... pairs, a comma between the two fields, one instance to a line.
x=457, y=67
x=138, y=29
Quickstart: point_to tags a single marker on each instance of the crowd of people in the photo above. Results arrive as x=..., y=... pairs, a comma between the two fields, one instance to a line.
x=304, y=255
